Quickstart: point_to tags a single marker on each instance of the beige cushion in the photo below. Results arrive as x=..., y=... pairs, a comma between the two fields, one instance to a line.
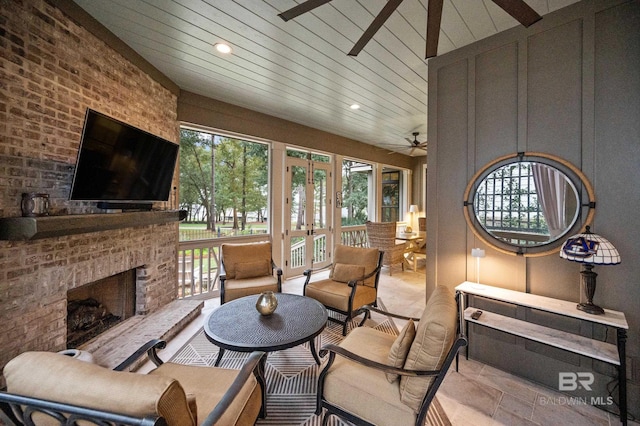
x=400, y=348
x=367, y=257
x=434, y=337
x=344, y=273
x=233, y=254
x=363, y=391
x=335, y=294
x=209, y=384
x=259, y=268
x=52, y=376
x=234, y=289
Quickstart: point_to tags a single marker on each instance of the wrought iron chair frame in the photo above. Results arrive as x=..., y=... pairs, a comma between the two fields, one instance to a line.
x=19, y=410
x=333, y=350
x=353, y=283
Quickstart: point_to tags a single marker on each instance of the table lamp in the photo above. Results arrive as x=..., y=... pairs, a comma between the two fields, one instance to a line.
x=589, y=249
x=413, y=209
x=477, y=253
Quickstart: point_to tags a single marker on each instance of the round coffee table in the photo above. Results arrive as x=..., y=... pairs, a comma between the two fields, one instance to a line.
x=238, y=326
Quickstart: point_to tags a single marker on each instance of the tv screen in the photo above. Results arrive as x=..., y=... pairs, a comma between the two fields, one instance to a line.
x=118, y=162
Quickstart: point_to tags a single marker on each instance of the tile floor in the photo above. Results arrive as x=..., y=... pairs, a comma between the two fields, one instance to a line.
x=477, y=394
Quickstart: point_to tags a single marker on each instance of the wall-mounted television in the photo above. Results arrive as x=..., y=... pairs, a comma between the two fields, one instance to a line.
x=120, y=163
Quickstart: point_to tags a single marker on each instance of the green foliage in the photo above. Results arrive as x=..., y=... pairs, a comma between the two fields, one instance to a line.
x=354, y=194
x=241, y=176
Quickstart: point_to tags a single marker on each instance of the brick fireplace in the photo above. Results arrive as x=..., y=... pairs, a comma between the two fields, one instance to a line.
x=55, y=62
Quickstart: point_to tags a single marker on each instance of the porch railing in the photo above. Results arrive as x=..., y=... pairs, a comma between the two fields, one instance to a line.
x=198, y=260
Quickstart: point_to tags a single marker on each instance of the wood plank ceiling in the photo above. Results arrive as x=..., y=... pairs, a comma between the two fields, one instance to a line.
x=299, y=70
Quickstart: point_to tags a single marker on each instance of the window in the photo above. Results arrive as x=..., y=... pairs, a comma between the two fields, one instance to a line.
x=356, y=177
x=507, y=204
x=223, y=185
x=390, y=195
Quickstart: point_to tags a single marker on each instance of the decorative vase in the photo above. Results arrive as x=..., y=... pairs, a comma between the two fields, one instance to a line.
x=266, y=303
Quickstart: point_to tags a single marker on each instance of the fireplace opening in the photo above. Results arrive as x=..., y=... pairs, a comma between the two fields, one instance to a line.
x=94, y=308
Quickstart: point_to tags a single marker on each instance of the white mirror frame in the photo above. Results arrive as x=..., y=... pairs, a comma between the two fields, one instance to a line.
x=574, y=174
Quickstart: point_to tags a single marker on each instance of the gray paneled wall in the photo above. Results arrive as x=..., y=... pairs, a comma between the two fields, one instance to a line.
x=568, y=86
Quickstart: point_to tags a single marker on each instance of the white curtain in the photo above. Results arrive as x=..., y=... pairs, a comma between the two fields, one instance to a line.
x=551, y=187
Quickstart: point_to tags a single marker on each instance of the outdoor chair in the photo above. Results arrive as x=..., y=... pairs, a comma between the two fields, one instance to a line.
x=48, y=388
x=352, y=283
x=382, y=236
x=247, y=269
x=419, y=250
x=375, y=378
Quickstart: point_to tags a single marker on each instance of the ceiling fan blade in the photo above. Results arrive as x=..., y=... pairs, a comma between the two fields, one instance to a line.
x=303, y=7
x=521, y=11
x=434, y=16
x=379, y=20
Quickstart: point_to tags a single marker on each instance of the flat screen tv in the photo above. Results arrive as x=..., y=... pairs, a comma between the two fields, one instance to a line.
x=120, y=163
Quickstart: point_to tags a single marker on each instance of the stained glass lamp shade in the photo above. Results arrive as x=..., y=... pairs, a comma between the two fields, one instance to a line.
x=589, y=249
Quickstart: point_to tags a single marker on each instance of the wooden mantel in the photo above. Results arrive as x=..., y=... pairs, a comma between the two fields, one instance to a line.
x=34, y=228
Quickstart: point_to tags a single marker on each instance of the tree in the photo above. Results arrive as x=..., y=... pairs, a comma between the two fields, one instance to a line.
x=354, y=194
x=195, y=171
x=241, y=178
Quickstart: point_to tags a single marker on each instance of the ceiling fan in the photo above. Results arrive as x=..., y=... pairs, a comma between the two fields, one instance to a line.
x=414, y=145
x=518, y=9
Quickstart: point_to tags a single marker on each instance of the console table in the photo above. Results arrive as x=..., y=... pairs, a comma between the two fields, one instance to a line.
x=596, y=349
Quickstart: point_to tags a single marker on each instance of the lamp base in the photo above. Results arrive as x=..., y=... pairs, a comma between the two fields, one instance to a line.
x=590, y=308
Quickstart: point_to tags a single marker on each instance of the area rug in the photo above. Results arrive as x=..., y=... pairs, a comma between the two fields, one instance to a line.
x=291, y=375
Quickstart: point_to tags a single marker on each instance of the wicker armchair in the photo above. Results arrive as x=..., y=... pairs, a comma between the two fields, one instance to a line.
x=382, y=235
x=420, y=247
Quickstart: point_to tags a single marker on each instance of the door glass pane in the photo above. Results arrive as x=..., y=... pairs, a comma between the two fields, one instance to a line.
x=319, y=215
x=320, y=199
x=298, y=197
x=390, y=196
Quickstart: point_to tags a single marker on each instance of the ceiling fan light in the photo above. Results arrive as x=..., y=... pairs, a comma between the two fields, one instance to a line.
x=222, y=48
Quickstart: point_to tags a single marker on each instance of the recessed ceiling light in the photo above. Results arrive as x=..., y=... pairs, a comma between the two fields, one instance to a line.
x=222, y=48
x=355, y=106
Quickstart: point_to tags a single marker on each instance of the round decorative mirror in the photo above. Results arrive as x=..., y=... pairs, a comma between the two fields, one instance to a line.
x=526, y=203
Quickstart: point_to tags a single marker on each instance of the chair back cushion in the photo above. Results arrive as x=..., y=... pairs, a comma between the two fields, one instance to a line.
x=248, y=260
x=435, y=335
x=367, y=257
x=56, y=377
x=344, y=273
x=400, y=349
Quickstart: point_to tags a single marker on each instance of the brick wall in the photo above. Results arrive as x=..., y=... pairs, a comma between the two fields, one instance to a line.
x=51, y=70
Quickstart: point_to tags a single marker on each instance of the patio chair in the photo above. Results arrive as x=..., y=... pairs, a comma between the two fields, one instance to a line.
x=419, y=251
x=47, y=388
x=382, y=235
x=352, y=283
x=375, y=378
x=247, y=269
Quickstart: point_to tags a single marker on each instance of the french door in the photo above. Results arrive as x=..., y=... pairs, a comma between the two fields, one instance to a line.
x=308, y=214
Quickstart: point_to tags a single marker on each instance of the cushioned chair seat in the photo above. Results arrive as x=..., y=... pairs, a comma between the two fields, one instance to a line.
x=364, y=392
x=234, y=289
x=335, y=294
x=196, y=382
